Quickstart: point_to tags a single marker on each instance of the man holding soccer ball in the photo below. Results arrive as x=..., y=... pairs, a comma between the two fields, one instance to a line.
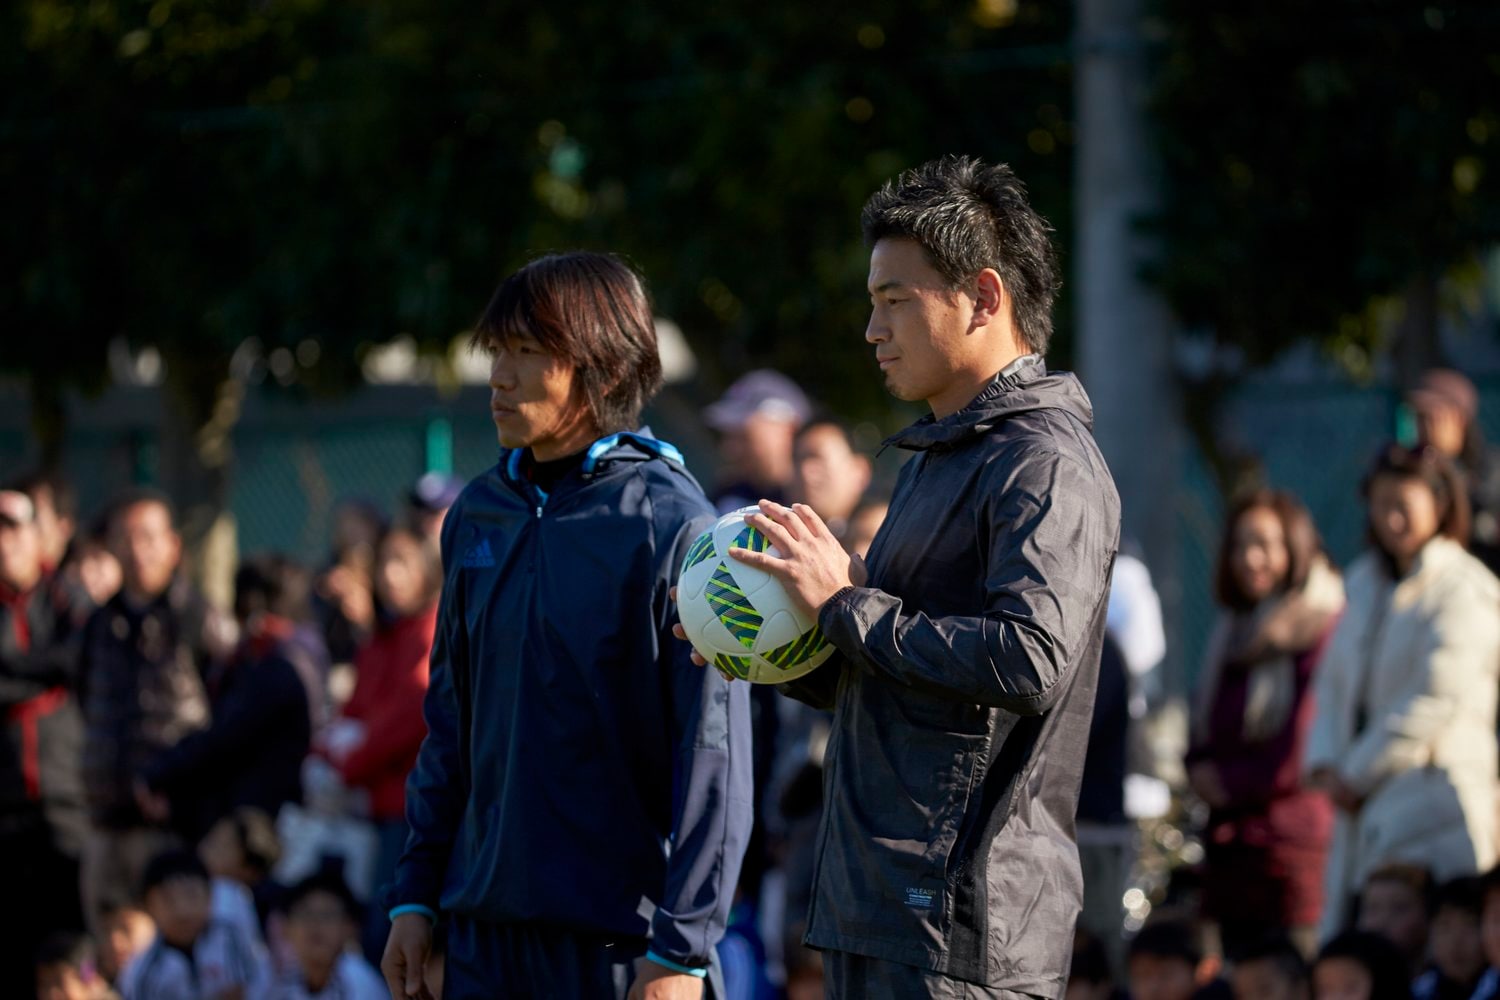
x=582, y=801
x=969, y=651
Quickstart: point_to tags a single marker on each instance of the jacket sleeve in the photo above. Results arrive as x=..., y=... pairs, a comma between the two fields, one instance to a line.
x=820, y=689
x=712, y=793
x=1050, y=543
x=394, y=728
x=257, y=705
x=1331, y=694
x=437, y=790
x=1460, y=653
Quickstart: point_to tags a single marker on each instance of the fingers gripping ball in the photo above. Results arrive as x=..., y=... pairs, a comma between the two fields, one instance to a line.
x=738, y=618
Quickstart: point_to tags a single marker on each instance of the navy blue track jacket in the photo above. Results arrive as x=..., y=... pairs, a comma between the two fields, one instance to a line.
x=579, y=769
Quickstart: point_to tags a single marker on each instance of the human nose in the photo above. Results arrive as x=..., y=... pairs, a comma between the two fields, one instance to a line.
x=875, y=330
x=502, y=371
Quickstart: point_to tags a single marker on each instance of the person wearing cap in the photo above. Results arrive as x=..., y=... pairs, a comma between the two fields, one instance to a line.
x=581, y=802
x=1446, y=406
x=428, y=502
x=757, y=419
x=42, y=817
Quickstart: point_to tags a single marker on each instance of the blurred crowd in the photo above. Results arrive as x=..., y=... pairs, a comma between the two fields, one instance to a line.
x=203, y=803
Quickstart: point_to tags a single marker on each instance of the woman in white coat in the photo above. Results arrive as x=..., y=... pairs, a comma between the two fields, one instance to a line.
x=1404, y=736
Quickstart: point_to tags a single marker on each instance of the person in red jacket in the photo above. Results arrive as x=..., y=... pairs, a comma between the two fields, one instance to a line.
x=375, y=744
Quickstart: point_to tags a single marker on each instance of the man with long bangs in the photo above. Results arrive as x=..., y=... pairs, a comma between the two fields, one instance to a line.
x=970, y=650
x=580, y=807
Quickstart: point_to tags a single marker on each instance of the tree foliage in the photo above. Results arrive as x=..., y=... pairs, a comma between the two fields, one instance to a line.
x=1321, y=160
x=190, y=173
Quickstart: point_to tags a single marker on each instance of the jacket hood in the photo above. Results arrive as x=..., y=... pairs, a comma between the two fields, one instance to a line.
x=1022, y=386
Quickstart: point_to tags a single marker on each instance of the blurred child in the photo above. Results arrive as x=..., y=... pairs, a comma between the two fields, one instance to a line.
x=1455, y=947
x=1489, y=935
x=1396, y=904
x=66, y=969
x=1359, y=965
x=239, y=852
x=193, y=956
x=1168, y=961
x=128, y=931
x=1089, y=977
x=1270, y=969
x=321, y=924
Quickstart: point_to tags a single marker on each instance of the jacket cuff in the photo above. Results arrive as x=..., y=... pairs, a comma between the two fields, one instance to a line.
x=676, y=966
x=405, y=908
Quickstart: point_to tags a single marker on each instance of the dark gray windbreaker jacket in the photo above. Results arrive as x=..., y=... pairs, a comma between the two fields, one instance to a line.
x=963, y=696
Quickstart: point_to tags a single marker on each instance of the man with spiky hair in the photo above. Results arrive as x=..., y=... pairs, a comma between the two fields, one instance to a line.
x=581, y=804
x=970, y=648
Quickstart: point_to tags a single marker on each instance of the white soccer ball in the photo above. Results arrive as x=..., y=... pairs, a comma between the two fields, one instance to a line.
x=740, y=619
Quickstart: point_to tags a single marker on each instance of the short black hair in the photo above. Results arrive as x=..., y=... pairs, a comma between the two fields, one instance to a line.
x=1465, y=893
x=137, y=495
x=1417, y=878
x=1277, y=949
x=1169, y=939
x=325, y=880
x=272, y=583
x=827, y=420
x=968, y=215
x=1389, y=976
x=69, y=948
x=171, y=865
x=1090, y=960
x=50, y=481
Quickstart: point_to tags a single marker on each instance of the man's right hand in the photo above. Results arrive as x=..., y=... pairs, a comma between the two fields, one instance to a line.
x=405, y=961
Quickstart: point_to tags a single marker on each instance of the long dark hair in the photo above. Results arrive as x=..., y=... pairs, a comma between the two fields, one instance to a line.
x=591, y=311
x=1303, y=545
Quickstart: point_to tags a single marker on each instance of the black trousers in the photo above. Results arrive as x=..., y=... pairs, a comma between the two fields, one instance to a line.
x=489, y=961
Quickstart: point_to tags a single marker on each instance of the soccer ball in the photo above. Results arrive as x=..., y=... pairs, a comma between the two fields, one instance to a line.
x=740, y=619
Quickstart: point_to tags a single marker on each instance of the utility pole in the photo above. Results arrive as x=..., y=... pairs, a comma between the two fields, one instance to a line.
x=1125, y=328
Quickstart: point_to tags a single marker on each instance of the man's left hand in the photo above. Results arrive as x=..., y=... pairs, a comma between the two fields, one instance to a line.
x=812, y=566
x=657, y=982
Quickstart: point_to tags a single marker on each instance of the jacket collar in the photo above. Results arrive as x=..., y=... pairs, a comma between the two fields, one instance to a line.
x=1021, y=386
x=623, y=446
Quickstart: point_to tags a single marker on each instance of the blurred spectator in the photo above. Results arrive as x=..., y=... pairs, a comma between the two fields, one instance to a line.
x=1489, y=935
x=1267, y=836
x=264, y=700
x=1272, y=968
x=1404, y=736
x=321, y=919
x=1358, y=965
x=863, y=524
x=56, y=514
x=831, y=475
x=193, y=957
x=345, y=597
x=756, y=418
x=90, y=568
x=67, y=969
x=428, y=502
x=1134, y=620
x=1455, y=944
x=1089, y=977
x=1106, y=839
x=126, y=930
x=1446, y=407
x=145, y=659
x=1167, y=960
x=42, y=818
x=240, y=850
x=374, y=744
x=1395, y=903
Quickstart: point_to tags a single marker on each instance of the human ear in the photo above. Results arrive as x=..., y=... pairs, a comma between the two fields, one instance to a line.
x=989, y=295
